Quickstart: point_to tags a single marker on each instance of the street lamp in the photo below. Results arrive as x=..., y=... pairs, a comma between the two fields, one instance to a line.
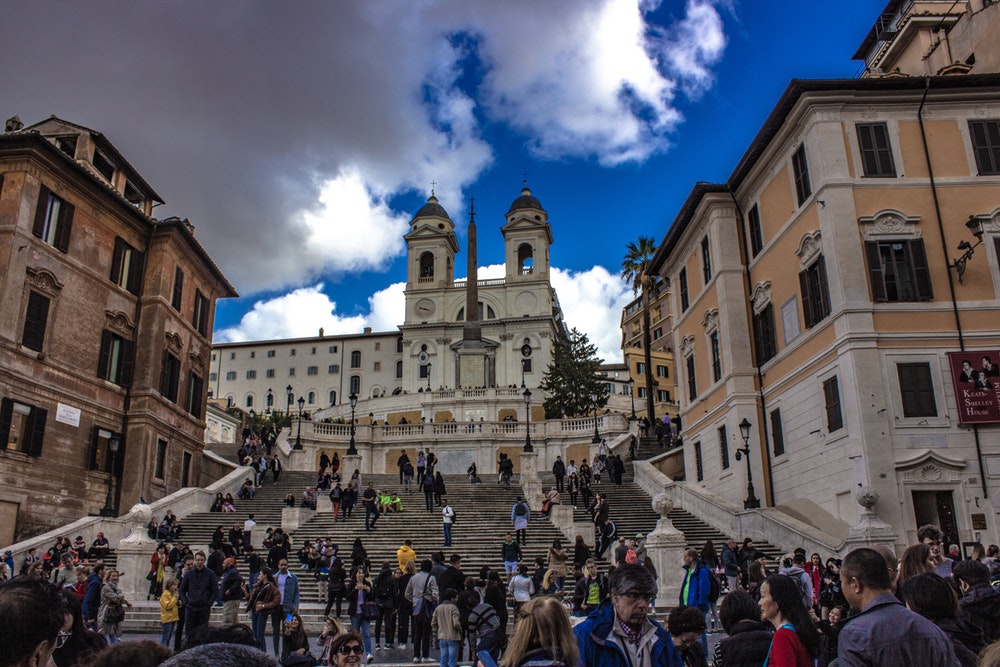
x=527, y=419
x=288, y=406
x=351, y=449
x=298, y=435
x=108, y=509
x=752, y=501
x=270, y=400
x=975, y=225
x=631, y=395
x=428, y=376
x=597, y=436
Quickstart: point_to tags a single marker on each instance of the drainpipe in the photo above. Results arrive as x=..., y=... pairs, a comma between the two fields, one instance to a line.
x=764, y=430
x=951, y=279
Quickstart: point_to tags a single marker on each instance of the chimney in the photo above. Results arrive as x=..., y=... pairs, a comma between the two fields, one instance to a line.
x=12, y=124
x=321, y=332
x=368, y=330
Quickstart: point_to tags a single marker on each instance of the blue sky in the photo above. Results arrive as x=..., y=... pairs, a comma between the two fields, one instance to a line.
x=300, y=142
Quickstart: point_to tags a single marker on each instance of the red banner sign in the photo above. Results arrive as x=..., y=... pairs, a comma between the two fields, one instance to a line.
x=976, y=375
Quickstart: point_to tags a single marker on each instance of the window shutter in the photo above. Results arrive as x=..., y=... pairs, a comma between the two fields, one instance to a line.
x=807, y=308
x=127, y=363
x=94, y=439
x=40, y=211
x=37, y=431
x=866, y=142
x=65, y=226
x=6, y=412
x=164, y=371
x=135, y=274
x=822, y=297
x=116, y=260
x=875, y=272
x=104, y=358
x=35, y=319
x=920, y=270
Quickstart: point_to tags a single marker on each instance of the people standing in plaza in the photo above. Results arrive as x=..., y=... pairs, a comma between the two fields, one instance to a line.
x=521, y=587
x=731, y=565
x=980, y=602
x=369, y=498
x=112, y=611
x=448, y=520
x=934, y=598
x=795, y=642
x=559, y=472
x=590, y=591
x=199, y=590
x=422, y=594
x=931, y=535
x=34, y=612
x=747, y=639
x=447, y=628
x=168, y=611
x=439, y=488
x=288, y=586
x=573, y=487
x=386, y=593
x=520, y=513
x=401, y=463
x=276, y=468
x=421, y=469
x=427, y=484
x=360, y=592
x=686, y=625
x=543, y=637
x=264, y=601
x=696, y=586
x=231, y=587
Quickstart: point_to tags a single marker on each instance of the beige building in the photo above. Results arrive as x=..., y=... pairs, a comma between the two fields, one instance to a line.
x=105, y=332
x=661, y=354
x=862, y=190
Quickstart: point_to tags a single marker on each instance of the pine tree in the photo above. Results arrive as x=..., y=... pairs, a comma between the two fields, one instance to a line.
x=572, y=377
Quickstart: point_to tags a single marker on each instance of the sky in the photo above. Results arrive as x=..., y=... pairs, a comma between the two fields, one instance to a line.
x=299, y=138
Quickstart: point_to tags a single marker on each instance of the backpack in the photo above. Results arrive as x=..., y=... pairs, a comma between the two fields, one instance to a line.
x=632, y=557
x=408, y=469
x=714, y=589
x=382, y=590
x=520, y=509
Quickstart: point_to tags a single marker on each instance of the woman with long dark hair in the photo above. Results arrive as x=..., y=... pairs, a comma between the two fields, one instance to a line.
x=264, y=599
x=933, y=598
x=796, y=641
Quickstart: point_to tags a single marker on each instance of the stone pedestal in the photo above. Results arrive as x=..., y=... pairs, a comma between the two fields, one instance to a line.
x=293, y=517
x=870, y=530
x=133, y=553
x=666, y=545
x=323, y=503
x=350, y=463
x=530, y=483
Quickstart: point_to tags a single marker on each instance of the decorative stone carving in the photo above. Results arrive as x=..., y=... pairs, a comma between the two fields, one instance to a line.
x=867, y=497
x=809, y=246
x=687, y=345
x=118, y=322
x=761, y=296
x=711, y=319
x=870, y=529
x=981, y=111
x=197, y=361
x=663, y=504
x=44, y=281
x=889, y=223
x=138, y=517
x=442, y=341
x=869, y=114
x=929, y=473
x=173, y=341
x=506, y=336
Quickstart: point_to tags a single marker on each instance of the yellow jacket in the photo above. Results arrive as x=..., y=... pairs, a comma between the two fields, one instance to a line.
x=168, y=608
x=405, y=554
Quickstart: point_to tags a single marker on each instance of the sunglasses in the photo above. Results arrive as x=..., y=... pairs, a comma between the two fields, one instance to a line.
x=356, y=649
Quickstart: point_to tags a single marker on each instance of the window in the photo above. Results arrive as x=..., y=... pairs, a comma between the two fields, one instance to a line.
x=724, y=447
x=269, y=373
x=777, y=433
x=399, y=346
x=270, y=354
x=103, y=166
x=159, y=467
x=692, y=381
x=253, y=354
x=657, y=333
x=801, y=168
x=815, y=292
x=765, y=342
x=756, y=233
x=378, y=346
x=333, y=369
x=356, y=359
x=831, y=398
x=713, y=340
x=126, y=267
x=251, y=375
x=36, y=317
x=377, y=367
x=525, y=365
x=212, y=377
x=100, y=449
x=313, y=351
x=22, y=427
x=116, y=359
x=312, y=370
x=249, y=401
x=399, y=369
x=662, y=371
x=640, y=368
x=898, y=271
x=291, y=372
x=333, y=397
x=200, y=319
x=699, y=468
x=311, y=398
x=185, y=469
x=706, y=260
x=641, y=392
x=876, y=153
x=53, y=220
x=425, y=371
x=178, y=294
x=662, y=395
x=232, y=355
x=355, y=384
x=170, y=374
x=682, y=279
x=986, y=145
x=230, y=376
x=916, y=390
x=291, y=352
x=333, y=349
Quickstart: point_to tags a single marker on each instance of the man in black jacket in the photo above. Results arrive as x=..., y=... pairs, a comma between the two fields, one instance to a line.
x=198, y=592
x=980, y=603
x=231, y=586
x=559, y=472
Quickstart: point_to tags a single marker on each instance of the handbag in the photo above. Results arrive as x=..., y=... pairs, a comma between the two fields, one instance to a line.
x=422, y=607
x=151, y=576
x=369, y=611
x=115, y=613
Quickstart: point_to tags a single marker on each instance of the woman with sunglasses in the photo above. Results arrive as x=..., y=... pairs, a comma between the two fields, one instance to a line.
x=346, y=650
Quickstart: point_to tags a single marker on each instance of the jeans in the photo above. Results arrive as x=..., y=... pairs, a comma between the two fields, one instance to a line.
x=449, y=652
x=421, y=637
x=359, y=624
x=371, y=512
x=259, y=623
x=168, y=633
x=429, y=500
x=447, y=534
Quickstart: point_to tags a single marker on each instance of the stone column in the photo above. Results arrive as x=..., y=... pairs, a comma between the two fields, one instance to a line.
x=531, y=485
x=666, y=545
x=292, y=518
x=870, y=530
x=350, y=463
x=323, y=503
x=133, y=552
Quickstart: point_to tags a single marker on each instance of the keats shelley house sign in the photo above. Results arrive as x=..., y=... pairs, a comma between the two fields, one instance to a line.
x=976, y=377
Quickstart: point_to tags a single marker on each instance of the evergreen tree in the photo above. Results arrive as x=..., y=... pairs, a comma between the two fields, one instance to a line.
x=572, y=377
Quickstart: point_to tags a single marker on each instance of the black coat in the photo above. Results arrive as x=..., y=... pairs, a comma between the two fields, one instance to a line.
x=746, y=646
x=980, y=606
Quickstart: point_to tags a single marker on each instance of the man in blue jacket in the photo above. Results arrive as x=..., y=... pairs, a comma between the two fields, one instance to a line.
x=619, y=633
x=288, y=585
x=92, y=598
x=696, y=586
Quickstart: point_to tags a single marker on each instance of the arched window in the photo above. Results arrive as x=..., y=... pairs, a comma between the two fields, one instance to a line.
x=399, y=369
x=355, y=384
x=230, y=401
x=489, y=313
x=356, y=359
x=333, y=397
x=249, y=401
x=427, y=265
x=312, y=398
x=525, y=259
x=399, y=345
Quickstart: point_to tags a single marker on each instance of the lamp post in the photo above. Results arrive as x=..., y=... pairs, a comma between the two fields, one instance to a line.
x=752, y=501
x=428, y=376
x=288, y=406
x=631, y=395
x=351, y=449
x=975, y=225
x=597, y=436
x=270, y=400
x=298, y=435
x=108, y=509
x=527, y=420
x=253, y=421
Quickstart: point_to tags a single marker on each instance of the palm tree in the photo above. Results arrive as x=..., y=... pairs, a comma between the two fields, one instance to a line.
x=636, y=272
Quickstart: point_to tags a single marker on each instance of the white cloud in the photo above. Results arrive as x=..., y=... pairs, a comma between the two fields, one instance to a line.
x=298, y=314
x=592, y=301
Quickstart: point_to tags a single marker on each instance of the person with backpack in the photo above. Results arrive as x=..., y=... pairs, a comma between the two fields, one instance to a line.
x=519, y=515
x=336, y=498
x=427, y=484
x=794, y=567
x=386, y=594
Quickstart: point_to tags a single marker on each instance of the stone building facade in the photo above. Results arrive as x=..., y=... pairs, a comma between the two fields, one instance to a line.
x=105, y=332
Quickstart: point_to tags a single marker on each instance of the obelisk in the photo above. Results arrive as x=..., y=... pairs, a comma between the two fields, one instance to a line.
x=472, y=369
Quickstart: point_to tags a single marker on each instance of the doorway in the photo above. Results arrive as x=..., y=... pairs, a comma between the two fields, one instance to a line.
x=937, y=508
